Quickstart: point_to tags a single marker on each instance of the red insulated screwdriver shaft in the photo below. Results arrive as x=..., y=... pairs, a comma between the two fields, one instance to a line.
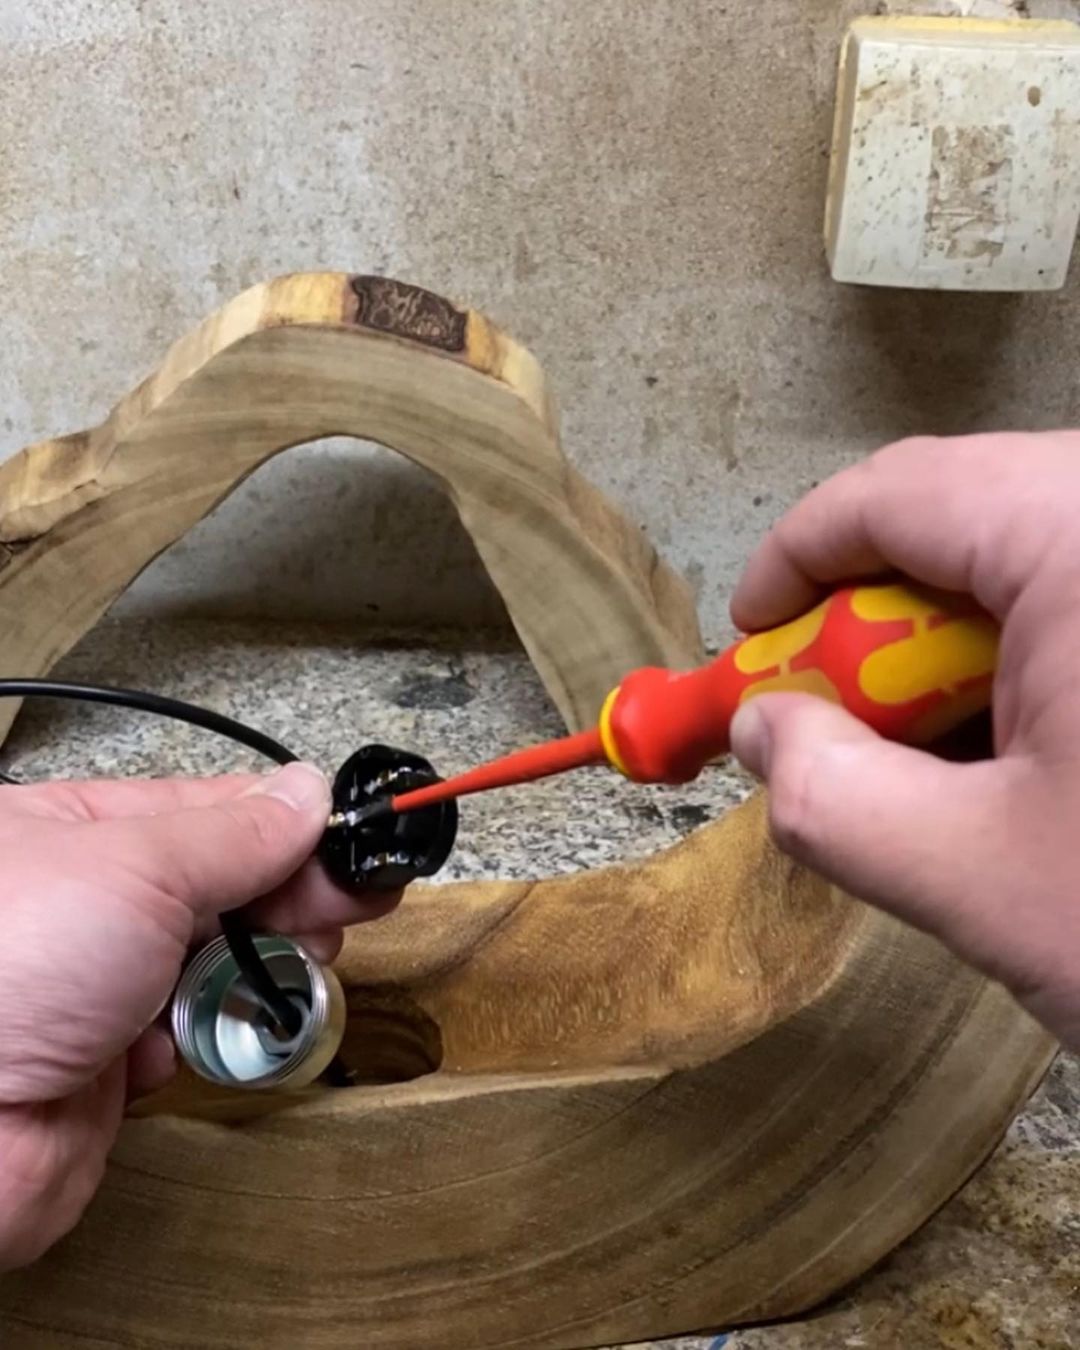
x=524, y=766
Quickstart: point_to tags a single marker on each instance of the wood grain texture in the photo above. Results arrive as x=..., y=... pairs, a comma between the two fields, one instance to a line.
x=696, y=1091
x=308, y=356
x=699, y=1092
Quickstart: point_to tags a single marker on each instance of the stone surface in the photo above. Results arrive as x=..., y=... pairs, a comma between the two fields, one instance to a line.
x=636, y=191
x=324, y=694
x=997, y=1269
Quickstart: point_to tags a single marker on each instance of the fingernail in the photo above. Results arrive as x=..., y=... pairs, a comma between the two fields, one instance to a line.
x=301, y=786
x=750, y=739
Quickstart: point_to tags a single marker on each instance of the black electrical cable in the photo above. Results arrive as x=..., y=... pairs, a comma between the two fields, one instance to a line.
x=175, y=708
x=244, y=952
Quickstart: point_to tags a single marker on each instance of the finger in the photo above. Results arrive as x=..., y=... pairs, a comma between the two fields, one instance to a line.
x=112, y=799
x=912, y=833
x=936, y=510
x=224, y=855
x=151, y=1063
x=323, y=947
x=309, y=902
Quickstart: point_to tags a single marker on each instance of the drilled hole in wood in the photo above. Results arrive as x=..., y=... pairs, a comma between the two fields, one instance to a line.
x=389, y=1038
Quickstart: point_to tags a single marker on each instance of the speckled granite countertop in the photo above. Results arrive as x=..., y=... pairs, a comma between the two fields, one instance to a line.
x=999, y=1266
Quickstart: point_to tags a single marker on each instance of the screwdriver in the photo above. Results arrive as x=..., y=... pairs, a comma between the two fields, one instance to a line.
x=910, y=662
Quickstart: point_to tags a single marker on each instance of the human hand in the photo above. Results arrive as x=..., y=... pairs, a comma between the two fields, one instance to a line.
x=105, y=887
x=983, y=855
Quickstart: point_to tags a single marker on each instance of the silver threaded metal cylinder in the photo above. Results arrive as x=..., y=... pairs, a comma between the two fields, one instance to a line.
x=223, y=1034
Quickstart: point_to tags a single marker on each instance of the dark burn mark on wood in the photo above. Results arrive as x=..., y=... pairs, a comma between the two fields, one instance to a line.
x=405, y=311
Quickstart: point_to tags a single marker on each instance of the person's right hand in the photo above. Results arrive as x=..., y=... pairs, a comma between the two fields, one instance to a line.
x=985, y=855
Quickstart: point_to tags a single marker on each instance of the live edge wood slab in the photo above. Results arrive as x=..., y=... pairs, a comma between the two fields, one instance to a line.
x=703, y=1090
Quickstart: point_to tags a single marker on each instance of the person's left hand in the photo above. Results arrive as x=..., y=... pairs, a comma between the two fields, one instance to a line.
x=103, y=889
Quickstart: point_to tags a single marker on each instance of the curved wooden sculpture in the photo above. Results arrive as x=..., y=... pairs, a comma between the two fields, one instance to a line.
x=317, y=355
x=702, y=1090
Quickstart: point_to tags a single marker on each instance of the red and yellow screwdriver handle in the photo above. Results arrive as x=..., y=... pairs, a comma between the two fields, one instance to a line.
x=909, y=662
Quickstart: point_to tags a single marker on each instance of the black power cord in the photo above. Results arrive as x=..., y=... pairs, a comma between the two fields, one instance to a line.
x=244, y=952
x=175, y=708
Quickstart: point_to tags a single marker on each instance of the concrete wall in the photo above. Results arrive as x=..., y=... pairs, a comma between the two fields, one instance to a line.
x=634, y=190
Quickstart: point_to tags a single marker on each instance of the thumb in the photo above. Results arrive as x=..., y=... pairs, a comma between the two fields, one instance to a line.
x=223, y=855
x=913, y=833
